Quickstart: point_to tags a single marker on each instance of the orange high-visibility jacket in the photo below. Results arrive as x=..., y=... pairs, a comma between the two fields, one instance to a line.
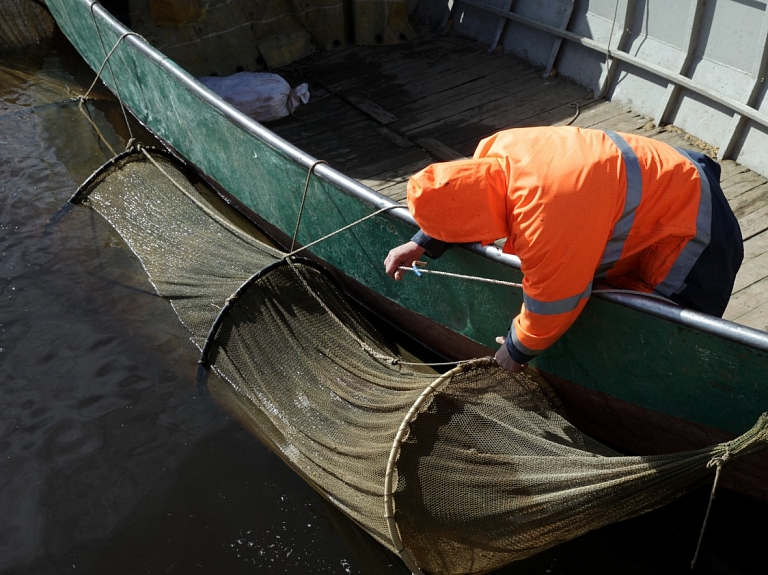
x=574, y=205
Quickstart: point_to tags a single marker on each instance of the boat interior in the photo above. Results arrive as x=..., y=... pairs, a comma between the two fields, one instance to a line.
x=379, y=113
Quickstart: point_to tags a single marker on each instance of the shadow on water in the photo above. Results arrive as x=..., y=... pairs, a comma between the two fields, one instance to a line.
x=110, y=459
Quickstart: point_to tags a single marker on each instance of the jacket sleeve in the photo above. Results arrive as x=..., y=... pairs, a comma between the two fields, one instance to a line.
x=434, y=248
x=560, y=245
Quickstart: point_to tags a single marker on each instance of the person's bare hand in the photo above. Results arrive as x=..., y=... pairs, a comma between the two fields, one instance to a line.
x=503, y=358
x=403, y=255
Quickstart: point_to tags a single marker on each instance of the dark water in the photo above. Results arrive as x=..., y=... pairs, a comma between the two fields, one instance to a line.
x=112, y=460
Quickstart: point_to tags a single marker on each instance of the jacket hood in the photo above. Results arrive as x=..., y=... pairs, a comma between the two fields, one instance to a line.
x=462, y=201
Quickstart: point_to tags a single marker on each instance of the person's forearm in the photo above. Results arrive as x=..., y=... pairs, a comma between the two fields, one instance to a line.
x=433, y=248
x=514, y=352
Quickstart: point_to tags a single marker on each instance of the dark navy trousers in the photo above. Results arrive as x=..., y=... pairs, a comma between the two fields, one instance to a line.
x=709, y=284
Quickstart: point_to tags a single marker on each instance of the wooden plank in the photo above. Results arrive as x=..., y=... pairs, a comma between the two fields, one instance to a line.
x=558, y=115
x=671, y=138
x=750, y=200
x=473, y=76
x=400, y=141
x=450, y=70
x=492, y=110
x=628, y=123
x=431, y=111
x=751, y=272
x=399, y=161
x=597, y=112
x=483, y=120
x=348, y=146
x=750, y=306
x=334, y=69
x=755, y=246
x=392, y=183
x=325, y=142
x=751, y=288
x=362, y=71
x=371, y=108
x=740, y=183
x=345, y=68
x=729, y=168
x=440, y=151
x=758, y=316
x=754, y=223
x=468, y=90
x=315, y=117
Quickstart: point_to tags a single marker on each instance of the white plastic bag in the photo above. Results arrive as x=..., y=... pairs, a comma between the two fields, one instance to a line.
x=261, y=95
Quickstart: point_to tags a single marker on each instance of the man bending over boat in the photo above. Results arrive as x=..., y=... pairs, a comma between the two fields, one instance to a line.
x=578, y=206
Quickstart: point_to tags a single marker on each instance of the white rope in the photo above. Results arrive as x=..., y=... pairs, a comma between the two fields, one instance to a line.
x=96, y=129
x=356, y=222
x=420, y=270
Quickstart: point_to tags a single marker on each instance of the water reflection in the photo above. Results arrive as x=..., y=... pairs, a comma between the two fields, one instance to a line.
x=110, y=461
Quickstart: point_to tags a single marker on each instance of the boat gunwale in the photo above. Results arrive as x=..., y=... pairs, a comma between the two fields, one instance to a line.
x=694, y=320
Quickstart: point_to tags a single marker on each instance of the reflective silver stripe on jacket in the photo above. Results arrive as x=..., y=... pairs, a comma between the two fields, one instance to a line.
x=675, y=280
x=615, y=245
x=520, y=346
x=555, y=307
x=634, y=194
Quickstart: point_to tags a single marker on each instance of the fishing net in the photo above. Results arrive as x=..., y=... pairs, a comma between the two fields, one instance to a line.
x=458, y=472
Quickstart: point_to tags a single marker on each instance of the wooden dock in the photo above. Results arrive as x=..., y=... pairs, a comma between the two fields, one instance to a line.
x=379, y=114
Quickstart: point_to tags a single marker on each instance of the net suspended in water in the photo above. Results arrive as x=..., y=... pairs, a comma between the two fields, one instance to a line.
x=461, y=472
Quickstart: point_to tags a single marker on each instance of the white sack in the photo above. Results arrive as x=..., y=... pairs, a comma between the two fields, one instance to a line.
x=260, y=95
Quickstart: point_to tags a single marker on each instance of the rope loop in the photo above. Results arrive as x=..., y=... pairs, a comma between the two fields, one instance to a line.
x=304, y=200
x=719, y=461
x=106, y=60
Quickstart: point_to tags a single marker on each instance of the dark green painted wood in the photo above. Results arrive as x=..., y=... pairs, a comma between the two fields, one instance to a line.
x=622, y=352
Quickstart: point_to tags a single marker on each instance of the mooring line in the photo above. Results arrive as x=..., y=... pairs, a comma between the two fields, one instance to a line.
x=718, y=463
x=304, y=200
x=105, y=63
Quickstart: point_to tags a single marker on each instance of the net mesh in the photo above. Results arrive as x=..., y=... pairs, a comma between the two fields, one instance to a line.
x=485, y=471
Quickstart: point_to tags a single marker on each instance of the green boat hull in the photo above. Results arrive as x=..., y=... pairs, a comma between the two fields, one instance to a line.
x=676, y=365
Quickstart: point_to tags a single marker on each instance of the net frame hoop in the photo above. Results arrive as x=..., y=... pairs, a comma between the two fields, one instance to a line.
x=230, y=302
x=394, y=454
x=129, y=155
